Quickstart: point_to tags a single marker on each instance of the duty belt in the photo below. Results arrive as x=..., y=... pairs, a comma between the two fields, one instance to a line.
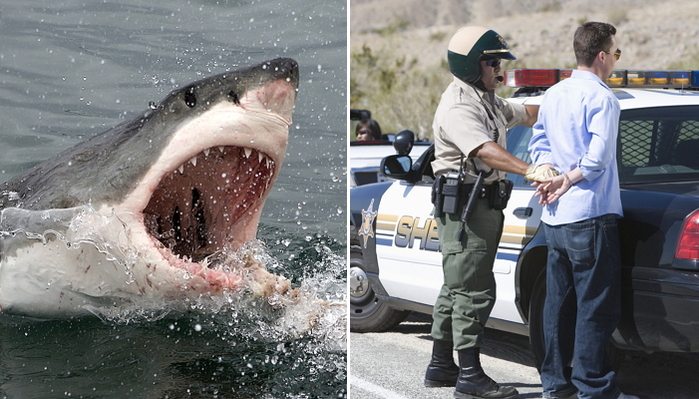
x=464, y=190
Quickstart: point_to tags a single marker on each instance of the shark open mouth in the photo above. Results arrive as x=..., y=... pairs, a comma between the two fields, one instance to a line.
x=207, y=204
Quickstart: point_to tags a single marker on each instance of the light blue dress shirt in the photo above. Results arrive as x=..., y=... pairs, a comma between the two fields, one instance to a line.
x=578, y=126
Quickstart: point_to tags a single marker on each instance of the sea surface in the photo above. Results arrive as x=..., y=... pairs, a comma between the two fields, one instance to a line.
x=72, y=69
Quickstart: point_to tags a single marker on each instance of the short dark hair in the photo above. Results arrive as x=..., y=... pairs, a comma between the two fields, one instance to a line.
x=590, y=39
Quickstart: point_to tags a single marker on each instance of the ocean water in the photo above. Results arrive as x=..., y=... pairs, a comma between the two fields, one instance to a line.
x=72, y=69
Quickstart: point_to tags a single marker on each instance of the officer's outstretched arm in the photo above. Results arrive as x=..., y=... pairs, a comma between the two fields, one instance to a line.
x=532, y=115
x=498, y=158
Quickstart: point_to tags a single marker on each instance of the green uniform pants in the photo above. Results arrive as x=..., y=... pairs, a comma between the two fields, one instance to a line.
x=468, y=294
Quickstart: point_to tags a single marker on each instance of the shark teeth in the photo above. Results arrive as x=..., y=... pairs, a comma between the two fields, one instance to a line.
x=245, y=153
x=191, y=213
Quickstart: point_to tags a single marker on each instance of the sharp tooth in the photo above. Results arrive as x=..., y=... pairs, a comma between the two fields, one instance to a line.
x=221, y=148
x=206, y=152
x=260, y=156
x=181, y=169
x=193, y=161
x=248, y=151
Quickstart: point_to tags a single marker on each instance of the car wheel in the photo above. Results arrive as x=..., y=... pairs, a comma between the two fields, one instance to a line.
x=536, y=327
x=367, y=312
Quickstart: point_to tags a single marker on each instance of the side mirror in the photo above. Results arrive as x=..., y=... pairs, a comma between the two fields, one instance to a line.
x=396, y=166
x=403, y=142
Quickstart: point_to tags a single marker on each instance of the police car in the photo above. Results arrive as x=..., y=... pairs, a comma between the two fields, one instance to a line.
x=395, y=260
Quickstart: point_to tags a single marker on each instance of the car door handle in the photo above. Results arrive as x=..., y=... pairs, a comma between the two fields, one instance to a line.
x=523, y=212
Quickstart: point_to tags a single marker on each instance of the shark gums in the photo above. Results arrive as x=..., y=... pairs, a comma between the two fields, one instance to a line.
x=151, y=210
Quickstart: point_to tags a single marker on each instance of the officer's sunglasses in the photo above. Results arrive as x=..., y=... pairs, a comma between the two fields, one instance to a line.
x=492, y=62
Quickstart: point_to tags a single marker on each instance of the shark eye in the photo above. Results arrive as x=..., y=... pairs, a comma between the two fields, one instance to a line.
x=190, y=98
x=233, y=97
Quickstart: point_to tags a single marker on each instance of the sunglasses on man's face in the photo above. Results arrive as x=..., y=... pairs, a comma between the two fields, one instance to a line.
x=617, y=54
x=492, y=62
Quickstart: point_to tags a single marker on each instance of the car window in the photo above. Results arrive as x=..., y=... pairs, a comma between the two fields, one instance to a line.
x=659, y=144
x=517, y=144
x=656, y=144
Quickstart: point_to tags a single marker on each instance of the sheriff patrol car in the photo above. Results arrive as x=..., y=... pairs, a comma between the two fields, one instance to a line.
x=395, y=260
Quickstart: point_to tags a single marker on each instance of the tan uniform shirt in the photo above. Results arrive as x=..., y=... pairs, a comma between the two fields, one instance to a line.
x=461, y=124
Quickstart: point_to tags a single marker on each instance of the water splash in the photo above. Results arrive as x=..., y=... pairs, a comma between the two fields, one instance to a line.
x=313, y=306
x=236, y=343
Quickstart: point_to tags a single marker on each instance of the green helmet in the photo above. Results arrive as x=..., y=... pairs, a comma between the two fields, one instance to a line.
x=471, y=44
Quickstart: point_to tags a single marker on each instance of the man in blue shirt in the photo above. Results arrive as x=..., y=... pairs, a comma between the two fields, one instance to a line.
x=576, y=133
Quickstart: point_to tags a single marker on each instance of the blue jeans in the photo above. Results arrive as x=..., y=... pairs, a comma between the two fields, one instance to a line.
x=582, y=308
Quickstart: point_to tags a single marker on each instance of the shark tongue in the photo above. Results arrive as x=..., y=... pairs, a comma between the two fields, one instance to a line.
x=210, y=201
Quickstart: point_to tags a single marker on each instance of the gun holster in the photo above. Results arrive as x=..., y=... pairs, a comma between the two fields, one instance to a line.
x=500, y=194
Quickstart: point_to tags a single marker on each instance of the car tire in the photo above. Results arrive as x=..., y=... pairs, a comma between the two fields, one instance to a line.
x=367, y=312
x=536, y=327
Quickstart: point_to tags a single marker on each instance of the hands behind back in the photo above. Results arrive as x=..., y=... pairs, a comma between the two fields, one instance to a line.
x=549, y=190
x=541, y=172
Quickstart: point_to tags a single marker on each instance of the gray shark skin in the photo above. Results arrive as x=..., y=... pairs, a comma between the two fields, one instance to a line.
x=143, y=212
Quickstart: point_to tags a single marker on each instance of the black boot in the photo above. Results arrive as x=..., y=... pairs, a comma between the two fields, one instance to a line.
x=474, y=384
x=442, y=371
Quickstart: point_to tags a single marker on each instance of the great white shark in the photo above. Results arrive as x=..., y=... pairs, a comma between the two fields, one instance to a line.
x=152, y=209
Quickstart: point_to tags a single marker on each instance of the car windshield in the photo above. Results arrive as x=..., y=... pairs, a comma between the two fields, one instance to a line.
x=659, y=144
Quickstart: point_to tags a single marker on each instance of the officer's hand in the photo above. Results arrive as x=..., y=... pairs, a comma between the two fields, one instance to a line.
x=541, y=172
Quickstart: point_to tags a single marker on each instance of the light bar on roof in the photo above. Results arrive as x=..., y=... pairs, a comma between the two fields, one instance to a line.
x=619, y=78
x=531, y=77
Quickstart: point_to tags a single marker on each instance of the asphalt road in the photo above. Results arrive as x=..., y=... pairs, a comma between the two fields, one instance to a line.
x=391, y=365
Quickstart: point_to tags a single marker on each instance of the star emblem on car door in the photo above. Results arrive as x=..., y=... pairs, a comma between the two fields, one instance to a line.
x=367, y=228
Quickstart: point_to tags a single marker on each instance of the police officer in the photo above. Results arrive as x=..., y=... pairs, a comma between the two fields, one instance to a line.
x=469, y=133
